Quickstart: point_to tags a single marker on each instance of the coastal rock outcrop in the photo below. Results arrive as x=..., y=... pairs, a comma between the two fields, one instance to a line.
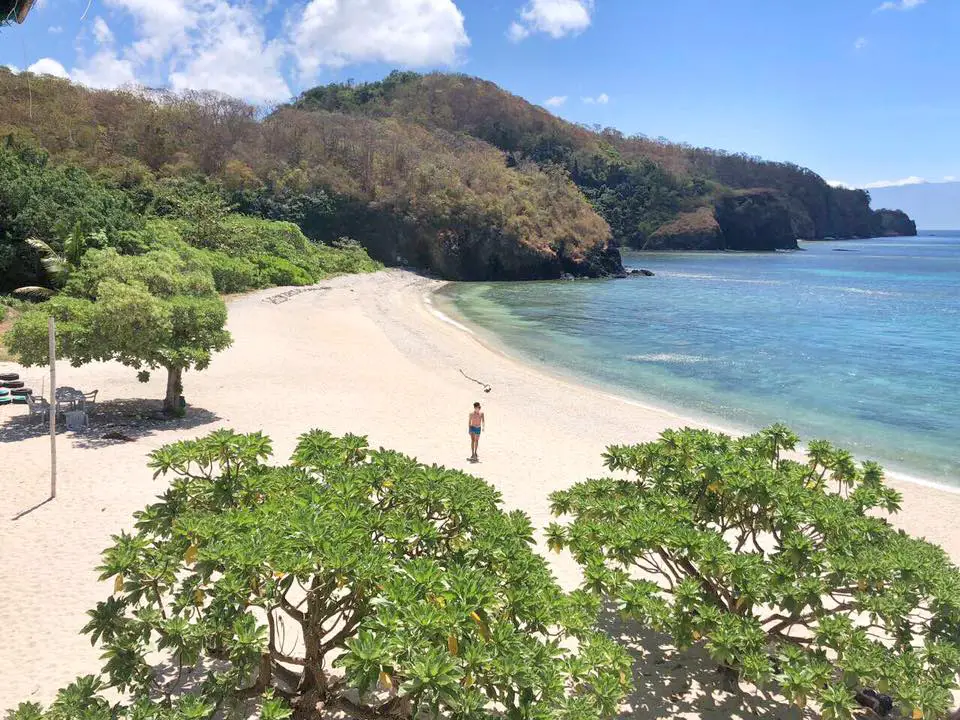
x=755, y=220
x=894, y=223
x=696, y=230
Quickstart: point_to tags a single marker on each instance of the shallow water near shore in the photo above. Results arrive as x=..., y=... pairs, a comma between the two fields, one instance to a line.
x=854, y=341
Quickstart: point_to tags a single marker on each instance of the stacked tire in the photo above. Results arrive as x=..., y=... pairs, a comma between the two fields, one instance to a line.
x=12, y=390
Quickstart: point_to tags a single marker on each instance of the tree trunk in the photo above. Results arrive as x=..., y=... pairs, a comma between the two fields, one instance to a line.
x=171, y=403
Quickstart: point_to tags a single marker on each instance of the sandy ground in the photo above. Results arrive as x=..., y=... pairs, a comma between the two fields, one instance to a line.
x=362, y=354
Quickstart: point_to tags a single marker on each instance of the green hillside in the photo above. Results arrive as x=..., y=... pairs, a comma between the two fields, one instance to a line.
x=429, y=198
x=640, y=186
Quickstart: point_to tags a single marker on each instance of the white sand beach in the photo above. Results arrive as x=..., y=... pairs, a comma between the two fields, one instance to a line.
x=361, y=354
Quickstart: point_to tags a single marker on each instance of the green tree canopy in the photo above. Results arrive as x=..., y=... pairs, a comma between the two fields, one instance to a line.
x=785, y=570
x=353, y=580
x=40, y=200
x=146, y=311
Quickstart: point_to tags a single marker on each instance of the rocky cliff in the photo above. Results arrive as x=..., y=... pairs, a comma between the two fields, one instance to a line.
x=755, y=220
x=696, y=230
x=895, y=223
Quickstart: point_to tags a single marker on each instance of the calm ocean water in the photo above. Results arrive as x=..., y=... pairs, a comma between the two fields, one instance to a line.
x=855, y=341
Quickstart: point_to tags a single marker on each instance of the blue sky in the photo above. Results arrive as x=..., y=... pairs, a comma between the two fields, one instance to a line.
x=865, y=92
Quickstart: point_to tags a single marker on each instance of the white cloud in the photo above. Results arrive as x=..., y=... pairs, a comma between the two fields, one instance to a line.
x=105, y=70
x=556, y=18
x=601, y=99
x=12, y=68
x=860, y=43
x=48, y=66
x=225, y=45
x=233, y=56
x=517, y=32
x=161, y=27
x=900, y=5
x=912, y=180
x=413, y=33
x=555, y=101
x=55, y=29
x=101, y=31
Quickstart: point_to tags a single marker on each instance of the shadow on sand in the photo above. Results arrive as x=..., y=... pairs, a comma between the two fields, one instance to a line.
x=670, y=683
x=111, y=423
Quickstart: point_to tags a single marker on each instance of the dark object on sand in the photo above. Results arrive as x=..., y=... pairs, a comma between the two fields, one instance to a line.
x=12, y=384
x=486, y=388
x=114, y=435
x=8, y=377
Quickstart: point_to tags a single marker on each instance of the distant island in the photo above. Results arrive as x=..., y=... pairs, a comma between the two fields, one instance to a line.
x=934, y=205
x=441, y=172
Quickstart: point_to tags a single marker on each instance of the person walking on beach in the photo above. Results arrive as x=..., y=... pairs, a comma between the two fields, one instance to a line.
x=475, y=424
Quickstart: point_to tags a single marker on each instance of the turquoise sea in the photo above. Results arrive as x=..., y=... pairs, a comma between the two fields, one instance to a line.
x=854, y=341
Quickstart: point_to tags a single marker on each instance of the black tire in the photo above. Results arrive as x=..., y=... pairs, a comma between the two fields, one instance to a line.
x=12, y=384
x=7, y=377
x=19, y=400
x=22, y=392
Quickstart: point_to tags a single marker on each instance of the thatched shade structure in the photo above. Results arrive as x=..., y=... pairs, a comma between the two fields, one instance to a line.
x=14, y=10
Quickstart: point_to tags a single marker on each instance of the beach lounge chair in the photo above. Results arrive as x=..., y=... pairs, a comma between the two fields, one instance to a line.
x=90, y=401
x=39, y=407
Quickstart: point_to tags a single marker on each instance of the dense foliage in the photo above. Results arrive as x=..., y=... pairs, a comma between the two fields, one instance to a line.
x=446, y=172
x=637, y=184
x=146, y=311
x=427, y=197
x=66, y=210
x=42, y=200
x=787, y=571
x=347, y=574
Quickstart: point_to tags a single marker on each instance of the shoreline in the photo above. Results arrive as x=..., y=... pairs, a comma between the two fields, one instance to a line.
x=363, y=354
x=490, y=342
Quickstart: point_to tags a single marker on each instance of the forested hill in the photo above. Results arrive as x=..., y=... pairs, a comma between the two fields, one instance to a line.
x=409, y=194
x=653, y=193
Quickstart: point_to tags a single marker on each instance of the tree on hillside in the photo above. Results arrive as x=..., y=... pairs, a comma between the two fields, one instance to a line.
x=146, y=311
x=786, y=571
x=354, y=581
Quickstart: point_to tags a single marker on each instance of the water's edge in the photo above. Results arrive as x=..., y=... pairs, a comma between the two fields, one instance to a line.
x=444, y=309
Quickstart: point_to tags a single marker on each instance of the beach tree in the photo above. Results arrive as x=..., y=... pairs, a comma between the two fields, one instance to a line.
x=352, y=580
x=146, y=311
x=787, y=571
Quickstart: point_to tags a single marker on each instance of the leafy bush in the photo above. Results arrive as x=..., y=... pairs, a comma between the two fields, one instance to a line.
x=255, y=253
x=784, y=570
x=347, y=574
x=231, y=275
x=280, y=271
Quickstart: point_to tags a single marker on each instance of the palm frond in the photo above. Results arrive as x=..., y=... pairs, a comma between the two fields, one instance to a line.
x=54, y=263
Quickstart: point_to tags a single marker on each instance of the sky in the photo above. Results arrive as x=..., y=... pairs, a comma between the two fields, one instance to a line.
x=865, y=92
